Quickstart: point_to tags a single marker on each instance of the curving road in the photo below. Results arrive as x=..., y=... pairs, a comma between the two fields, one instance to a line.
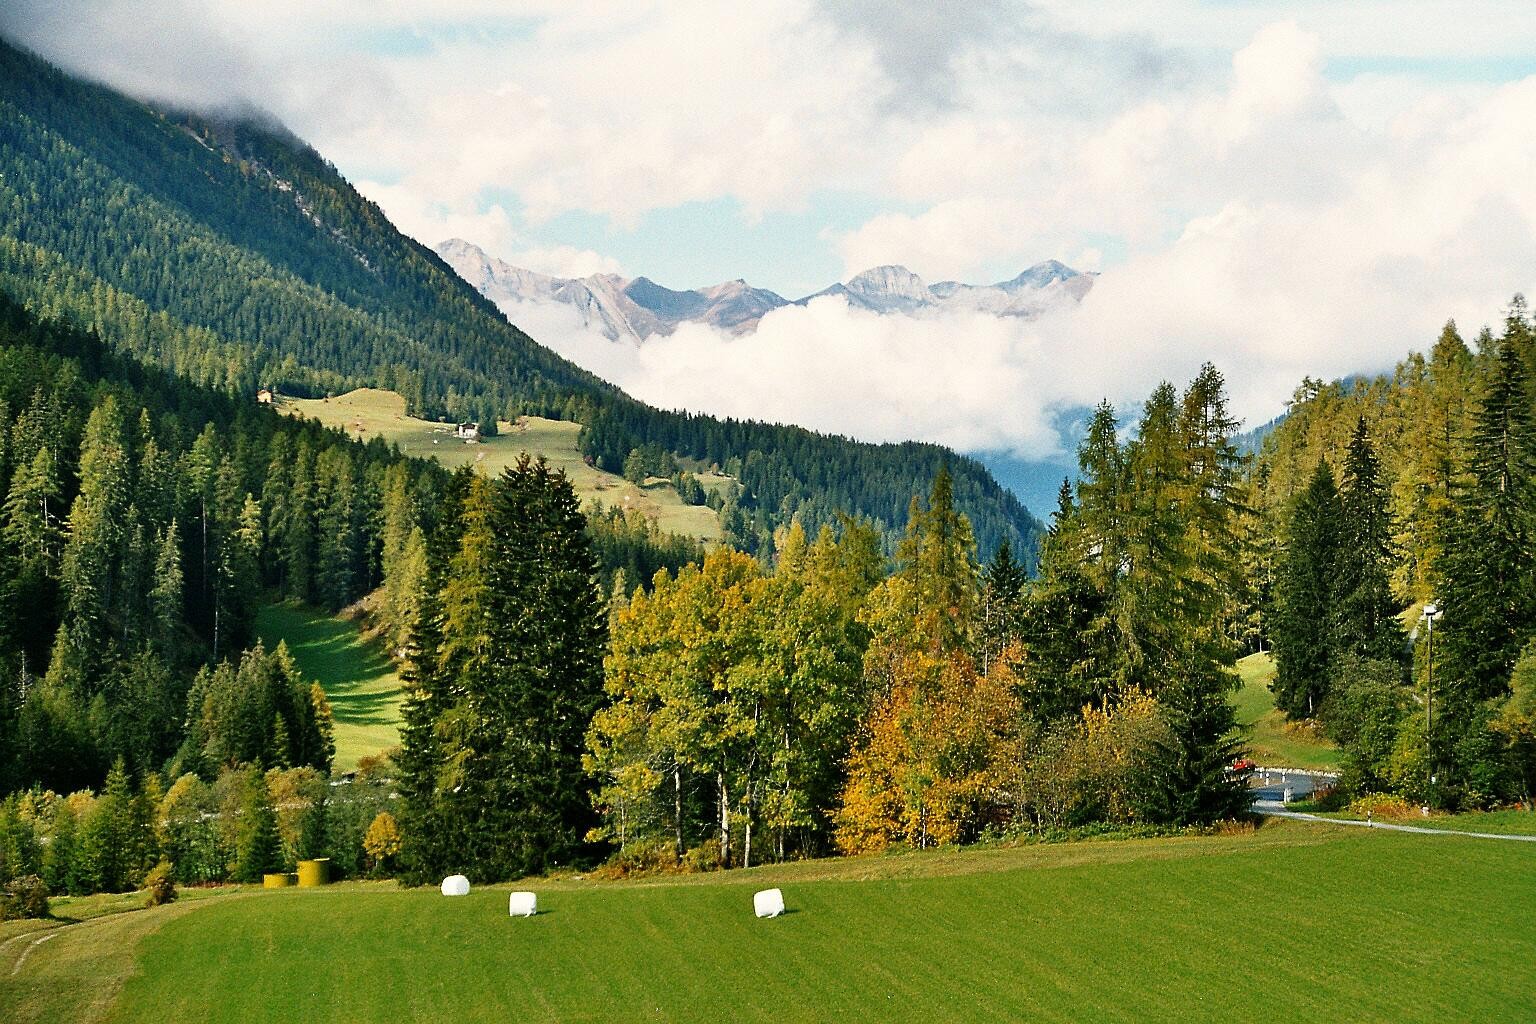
x=1273, y=788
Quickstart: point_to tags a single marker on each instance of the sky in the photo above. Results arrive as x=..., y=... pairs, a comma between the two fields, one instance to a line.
x=1281, y=188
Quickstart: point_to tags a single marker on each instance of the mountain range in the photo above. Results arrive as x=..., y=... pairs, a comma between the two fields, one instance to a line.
x=634, y=309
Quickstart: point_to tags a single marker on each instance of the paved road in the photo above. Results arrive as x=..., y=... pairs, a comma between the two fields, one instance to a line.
x=1270, y=797
x=1270, y=785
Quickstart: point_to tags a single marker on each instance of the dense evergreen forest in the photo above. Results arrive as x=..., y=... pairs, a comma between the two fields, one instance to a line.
x=231, y=253
x=1382, y=499
x=143, y=519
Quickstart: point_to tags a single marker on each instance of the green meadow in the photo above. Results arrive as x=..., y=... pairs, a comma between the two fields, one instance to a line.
x=356, y=673
x=1293, y=922
x=1271, y=739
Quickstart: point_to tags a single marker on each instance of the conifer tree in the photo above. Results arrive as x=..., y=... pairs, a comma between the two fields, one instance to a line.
x=165, y=596
x=1002, y=604
x=1366, y=620
x=97, y=530
x=1061, y=625
x=260, y=847
x=938, y=557
x=1304, y=621
x=1488, y=590
x=106, y=837
x=1192, y=781
x=517, y=679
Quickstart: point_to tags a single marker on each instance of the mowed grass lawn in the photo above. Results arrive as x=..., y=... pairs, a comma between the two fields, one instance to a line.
x=369, y=412
x=357, y=675
x=1294, y=923
x=1270, y=741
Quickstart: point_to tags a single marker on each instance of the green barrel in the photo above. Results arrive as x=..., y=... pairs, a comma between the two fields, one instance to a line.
x=277, y=881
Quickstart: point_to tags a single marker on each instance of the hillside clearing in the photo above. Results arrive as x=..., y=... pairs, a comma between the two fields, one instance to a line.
x=1293, y=922
x=370, y=412
x=1272, y=740
x=356, y=673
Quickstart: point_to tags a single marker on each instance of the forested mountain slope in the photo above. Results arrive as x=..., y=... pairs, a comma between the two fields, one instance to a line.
x=229, y=251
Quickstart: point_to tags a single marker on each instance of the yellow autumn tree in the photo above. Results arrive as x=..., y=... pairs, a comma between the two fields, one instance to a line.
x=382, y=841
x=940, y=749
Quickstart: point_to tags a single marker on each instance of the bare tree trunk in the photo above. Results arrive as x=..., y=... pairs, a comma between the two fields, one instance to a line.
x=725, y=821
x=677, y=807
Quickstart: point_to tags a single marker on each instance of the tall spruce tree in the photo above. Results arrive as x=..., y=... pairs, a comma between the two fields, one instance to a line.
x=1065, y=670
x=1002, y=602
x=498, y=721
x=1366, y=618
x=1304, y=621
x=1488, y=589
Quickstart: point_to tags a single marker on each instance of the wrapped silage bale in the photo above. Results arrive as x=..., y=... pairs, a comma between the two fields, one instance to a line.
x=768, y=903
x=522, y=904
x=455, y=885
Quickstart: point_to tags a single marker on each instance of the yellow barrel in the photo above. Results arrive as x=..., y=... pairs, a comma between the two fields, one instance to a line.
x=277, y=881
x=314, y=872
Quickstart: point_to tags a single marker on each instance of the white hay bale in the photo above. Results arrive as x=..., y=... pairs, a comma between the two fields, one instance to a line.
x=522, y=904
x=455, y=885
x=768, y=903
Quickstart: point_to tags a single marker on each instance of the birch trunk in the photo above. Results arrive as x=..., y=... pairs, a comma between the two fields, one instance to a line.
x=677, y=808
x=725, y=821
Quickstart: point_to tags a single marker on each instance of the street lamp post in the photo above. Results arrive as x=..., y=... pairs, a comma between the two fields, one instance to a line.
x=1430, y=611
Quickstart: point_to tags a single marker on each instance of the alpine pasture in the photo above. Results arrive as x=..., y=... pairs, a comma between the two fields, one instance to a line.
x=367, y=413
x=359, y=679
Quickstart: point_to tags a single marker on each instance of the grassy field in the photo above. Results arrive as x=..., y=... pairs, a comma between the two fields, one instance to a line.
x=1507, y=823
x=357, y=675
x=1271, y=740
x=368, y=412
x=1295, y=922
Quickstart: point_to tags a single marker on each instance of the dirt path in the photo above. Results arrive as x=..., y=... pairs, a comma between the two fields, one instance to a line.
x=74, y=972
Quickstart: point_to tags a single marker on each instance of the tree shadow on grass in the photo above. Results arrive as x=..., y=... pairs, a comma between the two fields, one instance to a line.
x=333, y=653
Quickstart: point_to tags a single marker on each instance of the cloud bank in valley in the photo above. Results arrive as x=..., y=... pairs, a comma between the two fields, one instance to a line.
x=1333, y=231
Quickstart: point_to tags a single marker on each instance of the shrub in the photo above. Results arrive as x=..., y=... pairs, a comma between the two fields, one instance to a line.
x=1326, y=798
x=26, y=896
x=1381, y=805
x=160, y=885
x=704, y=857
x=647, y=857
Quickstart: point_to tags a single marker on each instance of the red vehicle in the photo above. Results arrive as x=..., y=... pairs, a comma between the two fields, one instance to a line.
x=1243, y=764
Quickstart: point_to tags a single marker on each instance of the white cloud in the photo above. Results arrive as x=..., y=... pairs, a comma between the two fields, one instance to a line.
x=967, y=380
x=1276, y=237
